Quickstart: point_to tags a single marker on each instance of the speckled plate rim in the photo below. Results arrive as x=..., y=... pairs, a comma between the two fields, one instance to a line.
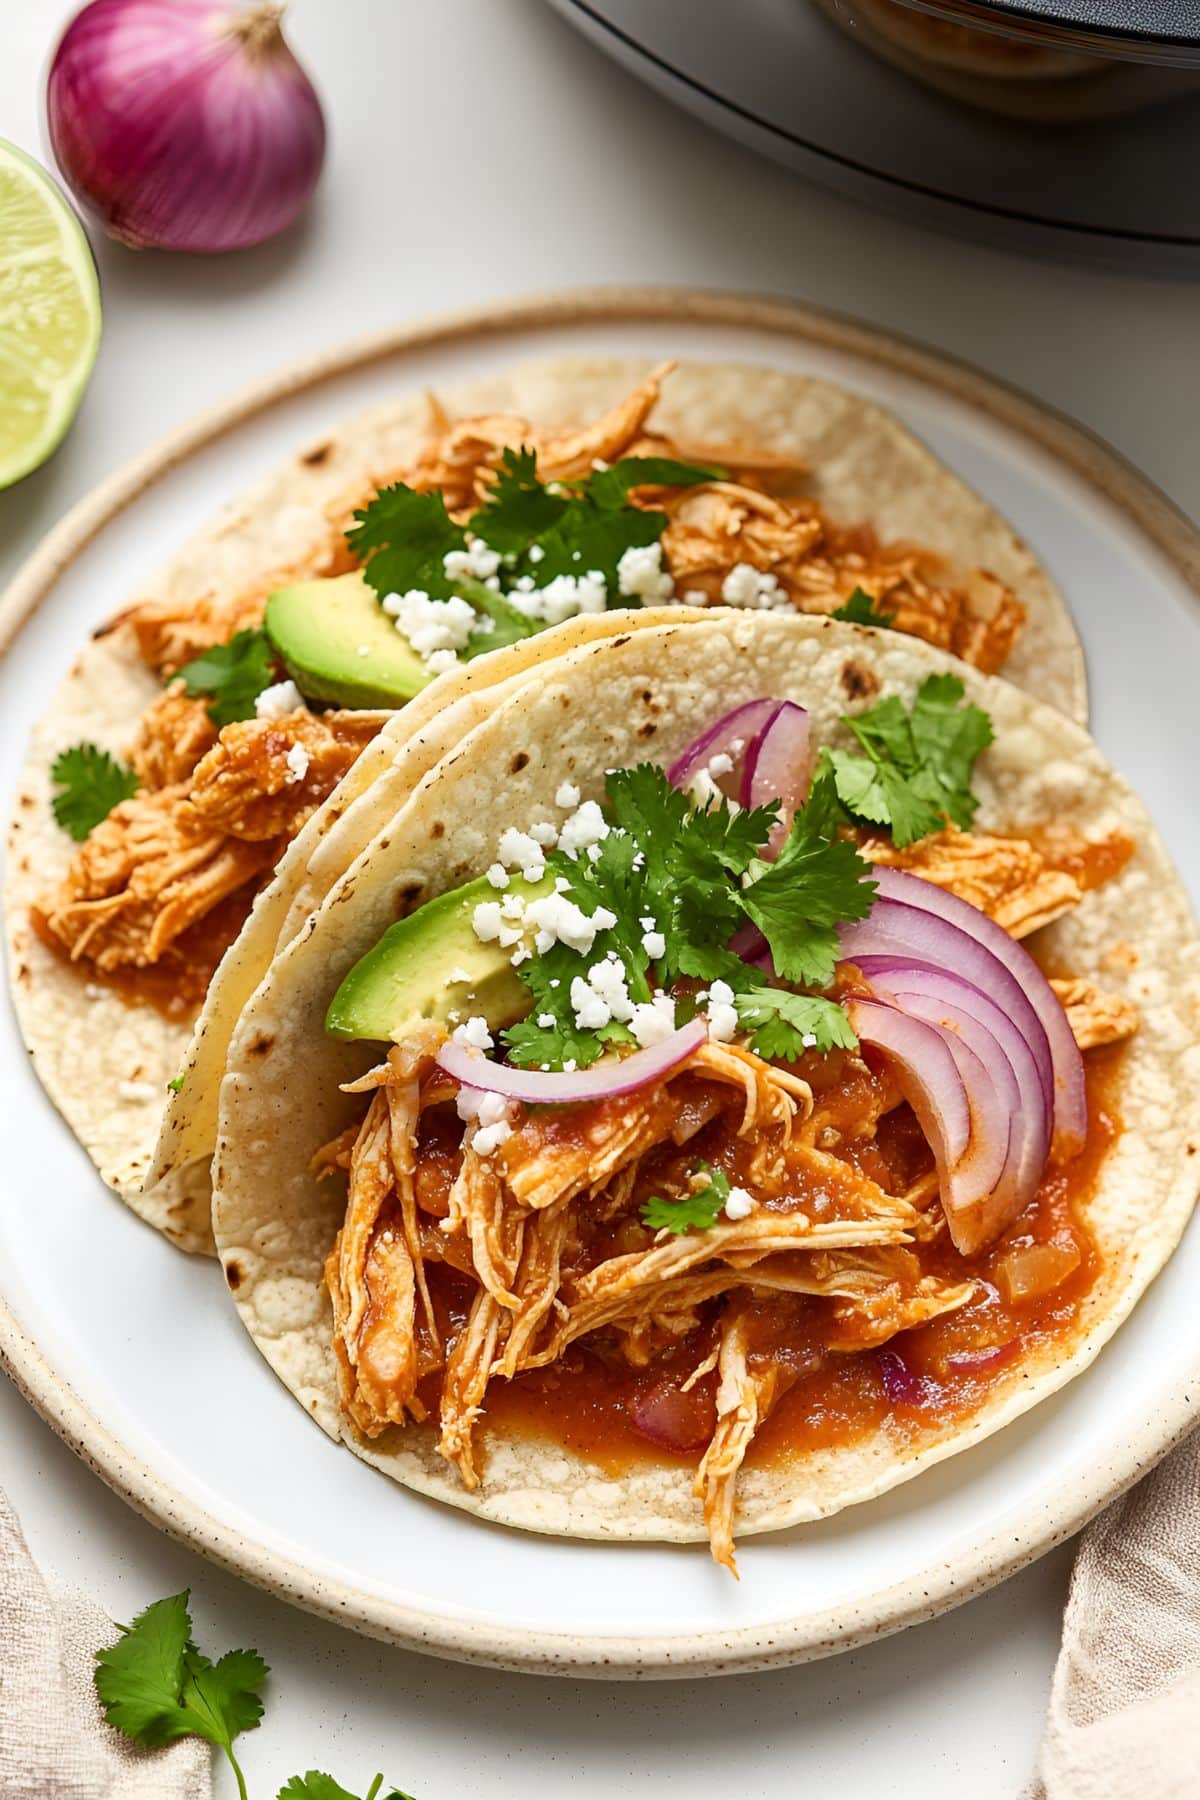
x=743, y=1649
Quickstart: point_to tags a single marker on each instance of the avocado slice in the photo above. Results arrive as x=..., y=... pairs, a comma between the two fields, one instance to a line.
x=338, y=644
x=406, y=977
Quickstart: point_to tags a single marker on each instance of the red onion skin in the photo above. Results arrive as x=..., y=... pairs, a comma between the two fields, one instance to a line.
x=779, y=767
x=900, y=1385
x=745, y=722
x=175, y=133
x=1070, y=1098
x=541, y=1087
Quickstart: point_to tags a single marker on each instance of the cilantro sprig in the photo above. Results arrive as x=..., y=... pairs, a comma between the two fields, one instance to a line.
x=698, y=873
x=863, y=609
x=90, y=783
x=541, y=530
x=696, y=1211
x=155, y=1687
x=915, y=767
x=234, y=674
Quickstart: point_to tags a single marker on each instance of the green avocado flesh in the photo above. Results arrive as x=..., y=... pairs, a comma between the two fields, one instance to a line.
x=338, y=644
x=406, y=978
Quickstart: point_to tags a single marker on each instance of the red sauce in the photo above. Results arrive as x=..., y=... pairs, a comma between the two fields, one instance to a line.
x=176, y=984
x=591, y=1402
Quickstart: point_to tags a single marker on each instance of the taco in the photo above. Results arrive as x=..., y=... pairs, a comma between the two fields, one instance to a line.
x=207, y=739
x=759, y=1061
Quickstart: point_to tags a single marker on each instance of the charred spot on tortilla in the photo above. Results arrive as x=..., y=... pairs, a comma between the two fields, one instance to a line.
x=647, y=730
x=313, y=459
x=234, y=1274
x=438, y=829
x=858, y=682
x=262, y=1045
x=520, y=761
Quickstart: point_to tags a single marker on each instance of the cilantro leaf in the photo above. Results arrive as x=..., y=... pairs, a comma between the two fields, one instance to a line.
x=785, y=1024
x=862, y=609
x=155, y=1686
x=518, y=509
x=609, y=488
x=815, y=883
x=402, y=538
x=916, y=770
x=90, y=784
x=235, y=674
x=315, y=1786
x=176, y=1082
x=691, y=1212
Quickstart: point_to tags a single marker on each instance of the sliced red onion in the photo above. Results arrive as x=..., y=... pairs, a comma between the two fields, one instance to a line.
x=939, y=997
x=674, y=1420
x=779, y=767
x=604, y=1081
x=909, y=934
x=737, y=728
x=926, y=1072
x=901, y=1386
x=978, y=1183
x=1069, y=1095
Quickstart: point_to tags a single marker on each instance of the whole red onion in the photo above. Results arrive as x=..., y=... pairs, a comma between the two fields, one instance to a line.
x=185, y=124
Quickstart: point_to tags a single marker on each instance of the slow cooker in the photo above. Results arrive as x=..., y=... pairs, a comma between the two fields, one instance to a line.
x=1052, y=123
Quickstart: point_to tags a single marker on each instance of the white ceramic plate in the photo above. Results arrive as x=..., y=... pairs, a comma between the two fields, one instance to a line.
x=131, y=1349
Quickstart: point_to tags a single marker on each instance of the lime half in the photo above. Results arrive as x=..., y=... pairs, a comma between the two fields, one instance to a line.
x=49, y=314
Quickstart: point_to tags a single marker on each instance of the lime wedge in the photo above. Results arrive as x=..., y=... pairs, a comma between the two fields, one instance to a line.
x=49, y=315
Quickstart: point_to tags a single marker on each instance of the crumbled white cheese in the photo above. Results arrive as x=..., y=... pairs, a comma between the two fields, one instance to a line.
x=277, y=701
x=563, y=597
x=498, y=875
x=720, y=764
x=458, y=975
x=739, y=1204
x=568, y=794
x=590, y=1008
x=721, y=1013
x=693, y=597
x=654, y=943
x=138, y=1090
x=544, y=833
x=478, y=560
x=473, y=1034
x=431, y=625
x=488, y=1138
x=547, y=1021
x=517, y=850
x=558, y=920
x=297, y=760
x=607, y=979
x=584, y=827
x=486, y=922
x=747, y=586
x=438, y=661
x=513, y=907
x=536, y=553
x=653, y=1020
x=640, y=574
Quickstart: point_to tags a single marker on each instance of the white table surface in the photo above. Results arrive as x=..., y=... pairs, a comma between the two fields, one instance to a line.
x=478, y=148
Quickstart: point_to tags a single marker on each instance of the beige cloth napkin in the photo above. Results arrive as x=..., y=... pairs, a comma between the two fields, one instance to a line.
x=1124, y=1716
x=54, y=1743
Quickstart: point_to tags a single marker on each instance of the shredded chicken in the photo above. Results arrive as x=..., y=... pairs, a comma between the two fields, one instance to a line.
x=147, y=873
x=1096, y=1016
x=163, y=860
x=1007, y=878
x=744, y=1396
x=264, y=778
x=173, y=735
x=172, y=632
